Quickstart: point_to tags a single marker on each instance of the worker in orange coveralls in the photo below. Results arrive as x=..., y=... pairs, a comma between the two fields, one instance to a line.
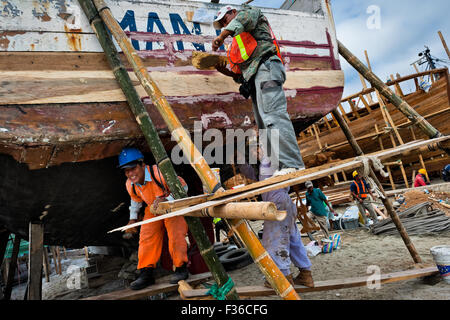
x=145, y=184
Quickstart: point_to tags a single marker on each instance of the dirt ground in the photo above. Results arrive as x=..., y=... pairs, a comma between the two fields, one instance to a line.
x=359, y=250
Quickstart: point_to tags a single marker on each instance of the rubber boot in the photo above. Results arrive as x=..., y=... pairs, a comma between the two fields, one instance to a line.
x=145, y=279
x=304, y=278
x=181, y=273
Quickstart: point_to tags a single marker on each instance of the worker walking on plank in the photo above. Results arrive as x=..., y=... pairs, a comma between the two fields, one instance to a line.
x=360, y=191
x=146, y=184
x=282, y=239
x=419, y=180
x=256, y=63
x=316, y=199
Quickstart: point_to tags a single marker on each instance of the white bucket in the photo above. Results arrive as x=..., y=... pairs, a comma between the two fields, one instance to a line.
x=441, y=255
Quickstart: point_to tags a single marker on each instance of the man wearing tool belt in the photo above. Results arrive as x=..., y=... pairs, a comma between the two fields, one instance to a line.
x=145, y=184
x=256, y=63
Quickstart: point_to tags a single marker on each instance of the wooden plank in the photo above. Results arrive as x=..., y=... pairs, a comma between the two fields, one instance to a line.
x=129, y=294
x=255, y=291
x=288, y=180
x=36, y=236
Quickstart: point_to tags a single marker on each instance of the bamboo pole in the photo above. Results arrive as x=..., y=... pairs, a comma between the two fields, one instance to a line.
x=422, y=163
x=384, y=90
x=380, y=142
x=444, y=44
x=242, y=210
x=387, y=203
x=274, y=275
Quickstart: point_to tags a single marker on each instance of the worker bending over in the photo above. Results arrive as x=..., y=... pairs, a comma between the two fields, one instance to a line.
x=145, y=184
x=360, y=191
x=316, y=199
x=419, y=180
x=256, y=63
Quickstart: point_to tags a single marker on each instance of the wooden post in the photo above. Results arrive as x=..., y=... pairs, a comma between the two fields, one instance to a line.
x=58, y=255
x=384, y=90
x=4, y=238
x=35, y=254
x=444, y=44
x=341, y=108
x=380, y=142
x=12, y=267
x=422, y=163
x=387, y=203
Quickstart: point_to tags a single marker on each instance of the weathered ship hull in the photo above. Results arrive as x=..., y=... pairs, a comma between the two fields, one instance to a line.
x=61, y=108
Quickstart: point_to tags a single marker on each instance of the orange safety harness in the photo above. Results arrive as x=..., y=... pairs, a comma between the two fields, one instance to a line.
x=242, y=48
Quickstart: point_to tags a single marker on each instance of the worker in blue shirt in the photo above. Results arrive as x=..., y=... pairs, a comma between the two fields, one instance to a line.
x=316, y=199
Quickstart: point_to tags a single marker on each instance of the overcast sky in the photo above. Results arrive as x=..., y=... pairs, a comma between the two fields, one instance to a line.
x=393, y=41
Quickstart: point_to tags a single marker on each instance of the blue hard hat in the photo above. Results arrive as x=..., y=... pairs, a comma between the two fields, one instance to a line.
x=128, y=158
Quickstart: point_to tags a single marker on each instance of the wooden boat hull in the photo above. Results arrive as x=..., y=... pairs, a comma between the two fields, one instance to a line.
x=433, y=105
x=63, y=116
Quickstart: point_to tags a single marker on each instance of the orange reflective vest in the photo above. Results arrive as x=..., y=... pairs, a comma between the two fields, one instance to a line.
x=242, y=47
x=364, y=192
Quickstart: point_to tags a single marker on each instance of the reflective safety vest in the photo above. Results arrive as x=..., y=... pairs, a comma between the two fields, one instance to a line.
x=243, y=46
x=364, y=192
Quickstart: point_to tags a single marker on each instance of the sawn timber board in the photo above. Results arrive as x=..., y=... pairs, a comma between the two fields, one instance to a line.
x=255, y=291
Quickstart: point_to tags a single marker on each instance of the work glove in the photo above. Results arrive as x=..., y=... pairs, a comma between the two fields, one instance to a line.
x=128, y=234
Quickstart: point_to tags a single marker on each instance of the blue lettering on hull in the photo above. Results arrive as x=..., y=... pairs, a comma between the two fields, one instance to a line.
x=154, y=24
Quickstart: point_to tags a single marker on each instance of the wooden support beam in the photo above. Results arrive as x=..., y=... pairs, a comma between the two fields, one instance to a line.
x=128, y=294
x=46, y=264
x=244, y=210
x=387, y=203
x=344, y=114
x=396, y=101
x=35, y=254
x=12, y=267
x=335, y=284
x=361, y=97
x=398, y=89
x=380, y=142
x=422, y=163
x=444, y=44
x=354, y=109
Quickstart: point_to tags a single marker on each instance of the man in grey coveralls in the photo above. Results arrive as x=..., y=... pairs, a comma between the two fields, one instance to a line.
x=265, y=74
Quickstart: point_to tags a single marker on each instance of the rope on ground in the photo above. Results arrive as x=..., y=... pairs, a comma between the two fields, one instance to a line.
x=220, y=293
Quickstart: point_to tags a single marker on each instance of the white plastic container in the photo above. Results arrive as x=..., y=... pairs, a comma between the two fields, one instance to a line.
x=441, y=255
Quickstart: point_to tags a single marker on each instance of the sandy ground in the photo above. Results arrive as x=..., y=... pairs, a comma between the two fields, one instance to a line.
x=359, y=250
